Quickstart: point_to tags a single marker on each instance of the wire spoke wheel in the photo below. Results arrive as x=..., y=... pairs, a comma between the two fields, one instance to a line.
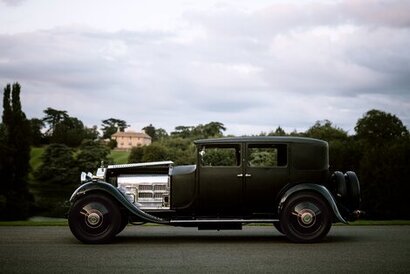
x=94, y=219
x=306, y=217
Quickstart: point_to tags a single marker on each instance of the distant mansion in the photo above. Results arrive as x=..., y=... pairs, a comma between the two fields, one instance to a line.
x=130, y=139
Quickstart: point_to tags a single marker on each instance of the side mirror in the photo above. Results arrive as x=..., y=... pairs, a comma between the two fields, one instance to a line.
x=100, y=173
x=83, y=177
x=202, y=155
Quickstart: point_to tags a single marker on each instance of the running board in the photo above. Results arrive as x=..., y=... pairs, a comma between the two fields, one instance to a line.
x=204, y=221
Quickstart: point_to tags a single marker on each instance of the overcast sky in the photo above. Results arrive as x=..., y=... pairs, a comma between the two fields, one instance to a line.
x=252, y=65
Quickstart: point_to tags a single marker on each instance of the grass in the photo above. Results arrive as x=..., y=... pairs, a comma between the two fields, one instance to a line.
x=37, y=221
x=34, y=223
x=380, y=222
x=35, y=157
x=119, y=157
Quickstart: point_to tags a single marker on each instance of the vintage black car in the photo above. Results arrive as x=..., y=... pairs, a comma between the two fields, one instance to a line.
x=284, y=181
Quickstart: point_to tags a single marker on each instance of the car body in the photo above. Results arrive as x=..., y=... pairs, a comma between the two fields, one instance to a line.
x=283, y=181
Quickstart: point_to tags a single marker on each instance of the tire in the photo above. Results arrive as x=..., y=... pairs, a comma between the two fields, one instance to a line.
x=353, y=190
x=339, y=185
x=94, y=219
x=306, y=218
x=278, y=227
x=124, y=222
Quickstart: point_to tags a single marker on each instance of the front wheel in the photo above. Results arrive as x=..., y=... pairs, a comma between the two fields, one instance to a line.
x=306, y=218
x=94, y=219
x=278, y=227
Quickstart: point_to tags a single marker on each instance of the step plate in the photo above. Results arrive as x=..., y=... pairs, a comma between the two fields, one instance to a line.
x=201, y=221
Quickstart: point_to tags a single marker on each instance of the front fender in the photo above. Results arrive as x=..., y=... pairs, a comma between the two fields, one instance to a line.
x=323, y=191
x=117, y=195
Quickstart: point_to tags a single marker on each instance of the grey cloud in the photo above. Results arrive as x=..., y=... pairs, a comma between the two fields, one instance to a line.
x=13, y=3
x=304, y=48
x=287, y=65
x=394, y=13
x=285, y=17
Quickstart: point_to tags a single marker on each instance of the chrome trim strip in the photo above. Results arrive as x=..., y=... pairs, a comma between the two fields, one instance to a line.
x=141, y=164
x=225, y=221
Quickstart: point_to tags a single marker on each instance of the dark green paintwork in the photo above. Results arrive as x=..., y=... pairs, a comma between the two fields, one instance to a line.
x=221, y=192
x=111, y=191
x=240, y=190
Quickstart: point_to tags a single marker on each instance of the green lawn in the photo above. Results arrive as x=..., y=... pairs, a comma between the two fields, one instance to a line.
x=35, y=157
x=119, y=157
x=34, y=223
x=380, y=222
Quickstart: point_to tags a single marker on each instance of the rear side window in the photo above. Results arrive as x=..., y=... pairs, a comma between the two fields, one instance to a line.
x=267, y=155
x=226, y=155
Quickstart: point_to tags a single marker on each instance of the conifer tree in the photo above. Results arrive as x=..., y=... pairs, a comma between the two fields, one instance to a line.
x=15, y=199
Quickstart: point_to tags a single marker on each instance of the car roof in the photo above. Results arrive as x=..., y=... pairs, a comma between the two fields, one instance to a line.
x=261, y=139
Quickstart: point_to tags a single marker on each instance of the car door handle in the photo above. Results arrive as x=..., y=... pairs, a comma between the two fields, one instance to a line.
x=246, y=175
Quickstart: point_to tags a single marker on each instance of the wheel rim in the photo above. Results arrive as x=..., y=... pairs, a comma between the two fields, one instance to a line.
x=306, y=218
x=94, y=218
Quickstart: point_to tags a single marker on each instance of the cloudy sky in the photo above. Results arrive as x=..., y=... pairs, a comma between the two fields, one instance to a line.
x=252, y=65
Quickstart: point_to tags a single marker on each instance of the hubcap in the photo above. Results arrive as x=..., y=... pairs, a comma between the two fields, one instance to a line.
x=93, y=219
x=93, y=215
x=306, y=217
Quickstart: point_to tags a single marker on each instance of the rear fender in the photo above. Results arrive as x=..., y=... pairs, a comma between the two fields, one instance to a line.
x=323, y=191
x=118, y=196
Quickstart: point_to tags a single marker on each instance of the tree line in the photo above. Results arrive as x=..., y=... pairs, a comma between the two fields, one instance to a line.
x=379, y=152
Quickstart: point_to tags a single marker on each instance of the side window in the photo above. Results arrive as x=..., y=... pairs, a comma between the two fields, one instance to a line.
x=265, y=155
x=226, y=155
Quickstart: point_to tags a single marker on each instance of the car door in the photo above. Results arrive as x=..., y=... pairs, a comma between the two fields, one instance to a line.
x=220, y=180
x=266, y=171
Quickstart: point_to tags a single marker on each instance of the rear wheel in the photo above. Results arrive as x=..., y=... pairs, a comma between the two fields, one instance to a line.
x=94, y=219
x=306, y=218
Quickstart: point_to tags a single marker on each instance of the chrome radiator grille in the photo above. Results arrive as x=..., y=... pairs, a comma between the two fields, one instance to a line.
x=146, y=191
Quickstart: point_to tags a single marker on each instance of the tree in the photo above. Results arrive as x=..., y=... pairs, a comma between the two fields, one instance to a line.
x=111, y=126
x=213, y=129
x=37, y=137
x=182, y=131
x=181, y=151
x=64, y=129
x=70, y=131
x=91, y=133
x=278, y=132
x=56, y=179
x=15, y=199
x=155, y=152
x=378, y=126
x=53, y=118
x=150, y=130
x=154, y=133
x=384, y=144
x=210, y=130
x=325, y=130
x=90, y=156
x=136, y=155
